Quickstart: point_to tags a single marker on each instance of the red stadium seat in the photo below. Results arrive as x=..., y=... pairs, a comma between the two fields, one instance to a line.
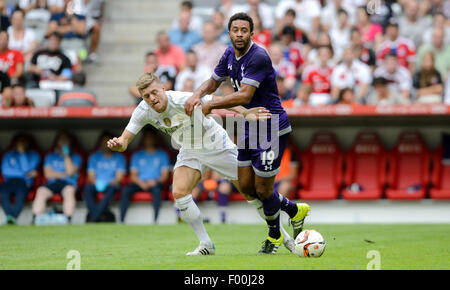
x=77, y=99
x=321, y=175
x=366, y=166
x=142, y=196
x=409, y=164
x=440, y=176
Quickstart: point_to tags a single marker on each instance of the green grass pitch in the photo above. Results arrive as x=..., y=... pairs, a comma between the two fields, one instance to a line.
x=113, y=246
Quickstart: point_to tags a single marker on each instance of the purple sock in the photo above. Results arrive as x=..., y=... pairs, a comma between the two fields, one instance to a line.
x=287, y=206
x=271, y=207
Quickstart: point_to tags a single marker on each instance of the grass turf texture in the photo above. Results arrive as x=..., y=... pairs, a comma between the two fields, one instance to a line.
x=113, y=246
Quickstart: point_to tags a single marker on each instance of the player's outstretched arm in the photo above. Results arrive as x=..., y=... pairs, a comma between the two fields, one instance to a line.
x=121, y=144
x=208, y=87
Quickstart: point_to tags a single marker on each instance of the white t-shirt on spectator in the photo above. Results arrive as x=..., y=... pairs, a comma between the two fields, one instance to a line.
x=24, y=44
x=201, y=74
x=398, y=81
x=345, y=77
x=339, y=40
x=305, y=12
x=329, y=13
x=58, y=3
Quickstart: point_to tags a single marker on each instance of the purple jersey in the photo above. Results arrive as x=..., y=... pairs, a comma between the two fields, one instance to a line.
x=254, y=68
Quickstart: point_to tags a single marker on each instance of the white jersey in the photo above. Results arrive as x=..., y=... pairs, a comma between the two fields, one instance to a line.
x=197, y=132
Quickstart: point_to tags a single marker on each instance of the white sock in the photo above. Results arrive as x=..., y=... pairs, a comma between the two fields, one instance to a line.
x=259, y=208
x=190, y=213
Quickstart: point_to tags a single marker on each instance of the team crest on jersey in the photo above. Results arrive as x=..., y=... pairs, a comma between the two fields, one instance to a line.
x=230, y=67
x=167, y=122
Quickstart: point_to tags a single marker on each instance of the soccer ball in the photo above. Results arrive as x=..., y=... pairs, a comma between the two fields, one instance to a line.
x=309, y=243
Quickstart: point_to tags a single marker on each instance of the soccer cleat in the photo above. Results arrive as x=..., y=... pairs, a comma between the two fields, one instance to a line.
x=203, y=250
x=289, y=244
x=271, y=245
x=298, y=220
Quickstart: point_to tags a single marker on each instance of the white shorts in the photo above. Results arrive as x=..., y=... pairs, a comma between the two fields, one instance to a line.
x=222, y=161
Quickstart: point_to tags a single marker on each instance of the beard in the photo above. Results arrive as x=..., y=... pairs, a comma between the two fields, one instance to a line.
x=243, y=47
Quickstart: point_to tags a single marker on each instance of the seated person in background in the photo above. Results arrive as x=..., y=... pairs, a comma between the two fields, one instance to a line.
x=284, y=92
x=318, y=77
x=383, y=96
x=169, y=54
x=56, y=7
x=50, y=63
x=188, y=85
x=283, y=67
x=94, y=15
x=4, y=19
x=21, y=38
x=11, y=61
x=105, y=172
x=398, y=77
x=5, y=90
x=61, y=169
x=347, y=97
x=149, y=170
x=182, y=35
x=18, y=96
x=288, y=172
x=28, y=5
x=67, y=23
x=302, y=96
x=198, y=73
x=19, y=168
x=428, y=82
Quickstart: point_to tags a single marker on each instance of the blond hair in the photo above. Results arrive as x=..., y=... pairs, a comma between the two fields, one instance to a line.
x=145, y=81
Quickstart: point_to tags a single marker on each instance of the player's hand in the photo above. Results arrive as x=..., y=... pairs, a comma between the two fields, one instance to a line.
x=256, y=114
x=191, y=103
x=206, y=109
x=115, y=144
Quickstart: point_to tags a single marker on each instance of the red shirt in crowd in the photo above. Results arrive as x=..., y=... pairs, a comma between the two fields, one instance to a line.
x=9, y=60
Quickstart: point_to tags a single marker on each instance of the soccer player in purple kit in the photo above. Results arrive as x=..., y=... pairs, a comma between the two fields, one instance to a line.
x=253, y=78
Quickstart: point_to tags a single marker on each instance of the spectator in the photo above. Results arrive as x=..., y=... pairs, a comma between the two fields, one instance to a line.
x=318, y=77
x=372, y=34
x=94, y=19
x=292, y=50
x=11, y=61
x=362, y=52
x=169, y=55
x=411, y=25
x=346, y=97
x=56, y=7
x=61, y=170
x=428, y=81
x=381, y=13
x=302, y=96
x=285, y=93
x=149, y=171
x=284, y=181
x=195, y=22
x=18, y=96
x=439, y=21
x=29, y=5
x=329, y=14
x=68, y=24
x=308, y=15
x=4, y=19
x=210, y=49
x=21, y=38
x=323, y=40
x=198, y=73
x=283, y=67
x=382, y=95
x=19, y=168
x=259, y=7
x=105, y=172
x=398, y=77
x=403, y=48
x=182, y=36
x=351, y=73
x=289, y=20
x=188, y=85
x=226, y=88
x=50, y=63
x=340, y=34
x=5, y=89
x=440, y=50
x=218, y=19
x=261, y=35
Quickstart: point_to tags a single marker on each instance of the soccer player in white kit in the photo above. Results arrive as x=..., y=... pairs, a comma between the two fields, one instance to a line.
x=165, y=111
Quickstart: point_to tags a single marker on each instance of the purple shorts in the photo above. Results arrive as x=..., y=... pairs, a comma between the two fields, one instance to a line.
x=265, y=160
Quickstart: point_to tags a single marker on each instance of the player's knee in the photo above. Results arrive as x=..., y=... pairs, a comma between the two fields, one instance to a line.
x=179, y=194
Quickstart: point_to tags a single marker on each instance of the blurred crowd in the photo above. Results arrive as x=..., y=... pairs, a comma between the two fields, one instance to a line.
x=43, y=46
x=354, y=52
